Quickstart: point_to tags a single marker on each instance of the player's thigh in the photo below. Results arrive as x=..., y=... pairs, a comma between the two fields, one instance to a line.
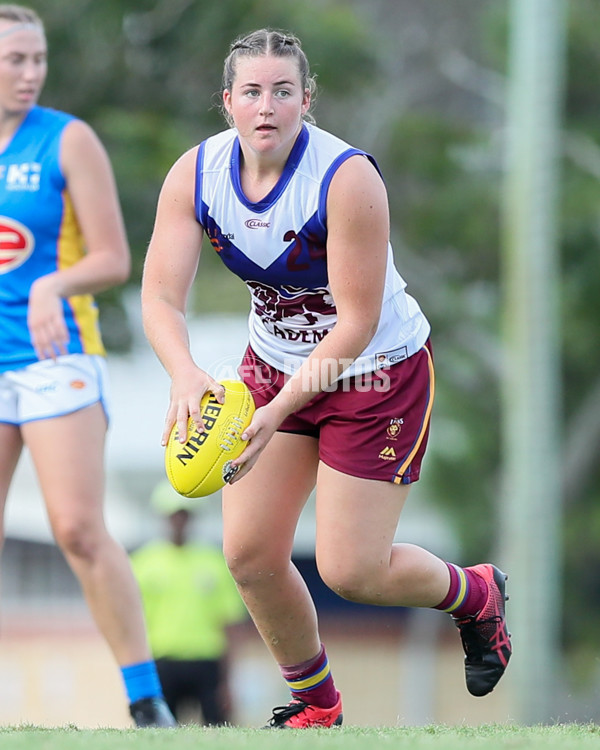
x=356, y=522
x=10, y=449
x=261, y=510
x=68, y=455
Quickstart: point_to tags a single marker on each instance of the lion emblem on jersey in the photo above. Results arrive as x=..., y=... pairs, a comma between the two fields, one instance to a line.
x=308, y=306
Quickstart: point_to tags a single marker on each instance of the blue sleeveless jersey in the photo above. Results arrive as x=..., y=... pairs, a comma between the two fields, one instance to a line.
x=39, y=234
x=278, y=246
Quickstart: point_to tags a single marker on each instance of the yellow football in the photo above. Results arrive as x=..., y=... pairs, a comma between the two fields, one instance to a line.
x=202, y=465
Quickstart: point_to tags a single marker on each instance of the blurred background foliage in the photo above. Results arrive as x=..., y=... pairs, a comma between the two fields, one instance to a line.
x=421, y=87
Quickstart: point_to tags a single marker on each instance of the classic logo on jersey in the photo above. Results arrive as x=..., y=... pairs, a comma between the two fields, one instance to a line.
x=16, y=244
x=257, y=224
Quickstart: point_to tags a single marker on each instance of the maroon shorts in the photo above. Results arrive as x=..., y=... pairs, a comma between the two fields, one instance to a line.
x=373, y=426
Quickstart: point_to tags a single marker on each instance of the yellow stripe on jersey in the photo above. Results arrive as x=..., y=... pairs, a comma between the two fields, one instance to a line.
x=71, y=249
x=419, y=440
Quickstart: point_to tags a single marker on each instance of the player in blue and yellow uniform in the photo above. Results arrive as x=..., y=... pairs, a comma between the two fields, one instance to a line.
x=62, y=239
x=339, y=362
x=40, y=236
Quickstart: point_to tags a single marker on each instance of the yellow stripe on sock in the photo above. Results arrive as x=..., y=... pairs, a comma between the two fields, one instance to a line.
x=462, y=590
x=309, y=682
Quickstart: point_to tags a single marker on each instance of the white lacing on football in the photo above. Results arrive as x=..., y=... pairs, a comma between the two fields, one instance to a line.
x=232, y=436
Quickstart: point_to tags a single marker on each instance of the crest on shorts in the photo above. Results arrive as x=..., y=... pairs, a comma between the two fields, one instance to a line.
x=394, y=427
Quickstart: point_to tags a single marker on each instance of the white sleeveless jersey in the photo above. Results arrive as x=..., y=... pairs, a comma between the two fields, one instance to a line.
x=278, y=246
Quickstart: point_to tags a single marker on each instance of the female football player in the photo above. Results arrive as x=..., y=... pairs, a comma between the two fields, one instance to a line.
x=61, y=240
x=302, y=217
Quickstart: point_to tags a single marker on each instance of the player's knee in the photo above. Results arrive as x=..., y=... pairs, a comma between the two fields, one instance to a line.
x=250, y=567
x=74, y=538
x=350, y=583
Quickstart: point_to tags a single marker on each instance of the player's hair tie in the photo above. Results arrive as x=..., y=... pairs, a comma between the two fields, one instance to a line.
x=19, y=27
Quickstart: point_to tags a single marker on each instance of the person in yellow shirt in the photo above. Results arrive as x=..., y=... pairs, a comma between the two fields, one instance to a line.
x=190, y=602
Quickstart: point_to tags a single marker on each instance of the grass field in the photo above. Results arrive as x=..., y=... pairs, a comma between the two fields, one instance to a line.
x=563, y=737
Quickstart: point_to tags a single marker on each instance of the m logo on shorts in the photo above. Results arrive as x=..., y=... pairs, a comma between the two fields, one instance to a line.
x=16, y=244
x=388, y=454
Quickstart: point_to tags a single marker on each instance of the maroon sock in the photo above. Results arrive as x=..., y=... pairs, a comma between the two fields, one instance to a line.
x=311, y=681
x=467, y=594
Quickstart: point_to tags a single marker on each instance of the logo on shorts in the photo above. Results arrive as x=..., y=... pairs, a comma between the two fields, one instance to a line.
x=77, y=384
x=387, y=454
x=394, y=428
x=48, y=387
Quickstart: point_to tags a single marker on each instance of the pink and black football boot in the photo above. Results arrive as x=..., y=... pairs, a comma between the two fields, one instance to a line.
x=300, y=715
x=484, y=636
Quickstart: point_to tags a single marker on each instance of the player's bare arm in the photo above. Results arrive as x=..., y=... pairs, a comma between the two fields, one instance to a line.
x=91, y=189
x=169, y=271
